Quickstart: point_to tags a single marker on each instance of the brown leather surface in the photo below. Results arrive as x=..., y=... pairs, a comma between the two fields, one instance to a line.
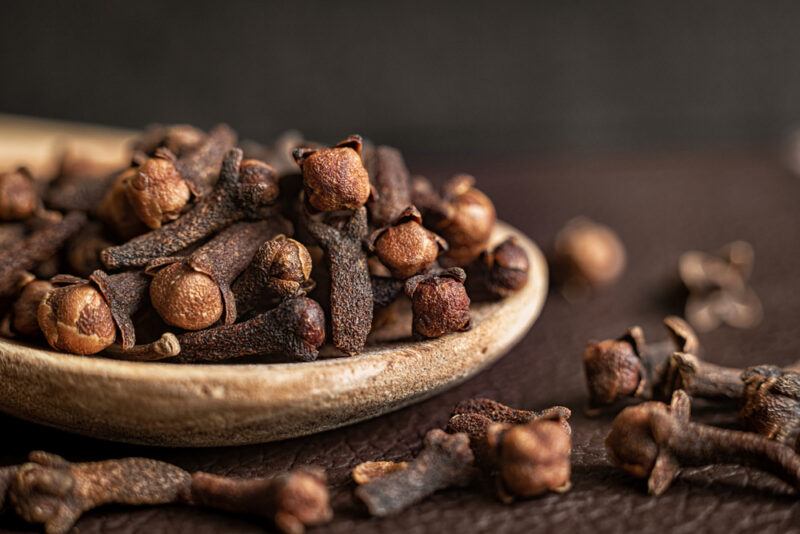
x=661, y=206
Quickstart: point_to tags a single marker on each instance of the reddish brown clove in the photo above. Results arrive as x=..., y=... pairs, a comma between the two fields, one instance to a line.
x=22, y=320
x=587, y=256
x=505, y=268
x=390, y=184
x=280, y=268
x=653, y=440
x=439, y=303
x=351, y=289
x=293, y=500
x=51, y=491
x=194, y=292
x=334, y=178
x=245, y=190
x=406, y=247
x=80, y=183
x=293, y=331
x=629, y=367
x=771, y=402
x=446, y=461
x=164, y=183
x=19, y=198
x=39, y=246
x=82, y=316
x=116, y=212
x=500, y=413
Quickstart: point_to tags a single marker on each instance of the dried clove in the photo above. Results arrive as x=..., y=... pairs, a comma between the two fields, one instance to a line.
x=245, y=190
x=51, y=491
x=390, y=184
x=293, y=500
x=439, y=303
x=506, y=267
x=334, y=178
x=587, y=256
x=116, y=212
x=80, y=184
x=446, y=461
x=500, y=413
x=293, y=331
x=351, y=289
x=39, y=246
x=406, y=247
x=194, y=292
x=166, y=346
x=771, y=402
x=281, y=267
x=629, y=367
x=177, y=138
x=701, y=379
x=22, y=320
x=718, y=288
x=164, y=183
x=19, y=198
x=385, y=290
x=82, y=316
x=83, y=250
x=653, y=440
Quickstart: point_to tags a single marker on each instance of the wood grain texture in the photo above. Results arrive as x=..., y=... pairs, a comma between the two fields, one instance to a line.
x=208, y=405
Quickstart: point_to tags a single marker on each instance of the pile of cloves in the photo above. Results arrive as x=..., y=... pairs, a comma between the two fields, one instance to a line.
x=207, y=249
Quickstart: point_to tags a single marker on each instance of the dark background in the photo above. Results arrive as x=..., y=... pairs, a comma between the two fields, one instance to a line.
x=560, y=76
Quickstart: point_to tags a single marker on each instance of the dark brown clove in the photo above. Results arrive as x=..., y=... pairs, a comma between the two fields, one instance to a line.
x=718, y=288
x=406, y=247
x=82, y=316
x=281, y=267
x=194, y=292
x=39, y=246
x=500, y=413
x=771, y=402
x=164, y=183
x=19, y=197
x=629, y=367
x=654, y=440
x=293, y=500
x=385, y=290
x=116, y=212
x=587, y=256
x=446, y=461
x=351, y=289
x=439, y=303
x=177, y=138
x=701, y=379
x=334, y=178
x=505, y=268
x=51, y=491
x=80, y=184
x=22, y=320
x=83, y=250
x=391, y=185
x=245, y=190
x=293, y=331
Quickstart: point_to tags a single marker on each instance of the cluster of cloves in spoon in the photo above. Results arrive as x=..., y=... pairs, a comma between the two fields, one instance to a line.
x=206, y=249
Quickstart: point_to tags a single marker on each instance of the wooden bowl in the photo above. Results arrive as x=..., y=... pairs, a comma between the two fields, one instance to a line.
x=207, y=405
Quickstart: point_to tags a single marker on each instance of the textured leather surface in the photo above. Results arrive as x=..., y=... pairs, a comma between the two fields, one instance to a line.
x=661, y=206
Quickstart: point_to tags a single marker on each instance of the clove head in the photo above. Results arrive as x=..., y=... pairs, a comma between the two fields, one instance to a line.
x=76, y=319
x=588, y=254
x=186, y=298
x=506, y=267
x=407, y=248
x=25, y=320
x=772, y=403
x=287, y=264
x=158, y=192
x=531, y=459
x=18, y=197
x=115, y=209
x=439, y=303
x=334, y=178
x=614, y=370
x=468, y=221
x=259, y=183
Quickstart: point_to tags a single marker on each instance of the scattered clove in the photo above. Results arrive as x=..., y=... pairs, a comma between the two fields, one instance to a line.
x=406, y=247
x=629, y=367
x=446, y=461
x=194, y=292
x=164, y=183
x=281, y=267
x=19, y=198
x=293, y=500
x=390, y=183
x=587, y=256
x=439, y=303
x=293, y=331
x=653, y=440
x=82, y=316
x=245, y=190
x=334, y=178
x=39, y=246
x=51, y=491
x=718, y=288
x=351, y=288
x=771, y=402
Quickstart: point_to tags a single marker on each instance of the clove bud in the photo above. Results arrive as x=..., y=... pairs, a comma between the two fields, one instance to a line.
x=439, y=303
x=406, y=247
x=19, y=198
x=587, y=256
